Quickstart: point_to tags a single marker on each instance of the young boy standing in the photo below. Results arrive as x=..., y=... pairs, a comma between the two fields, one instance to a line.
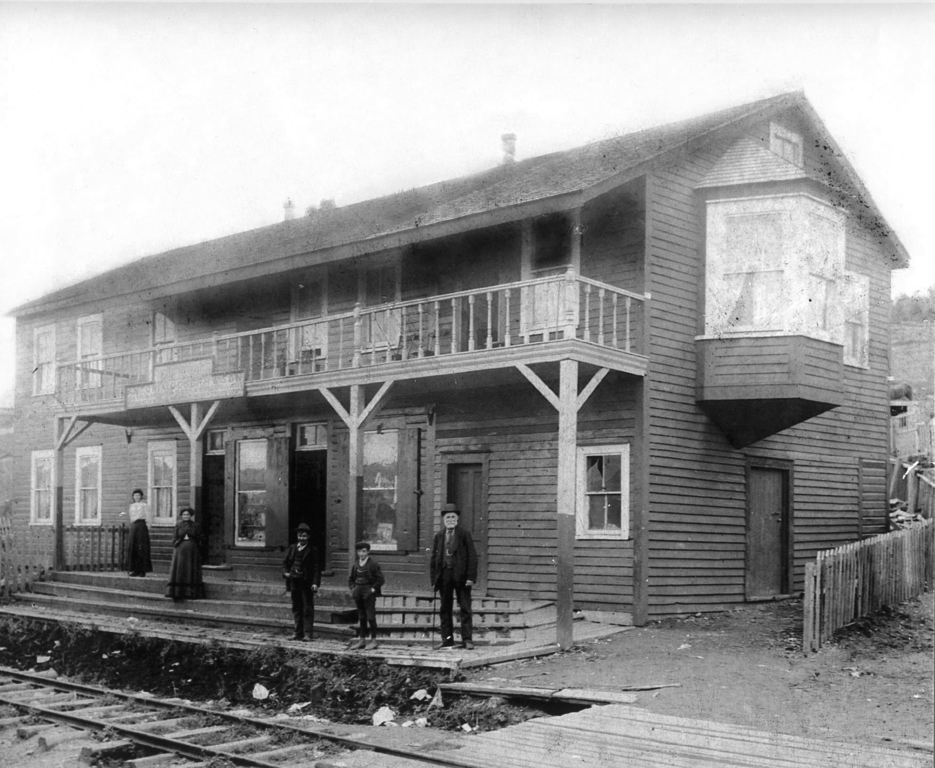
x=365, y=581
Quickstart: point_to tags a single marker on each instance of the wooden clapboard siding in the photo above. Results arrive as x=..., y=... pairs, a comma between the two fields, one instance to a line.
x=517, y=430
x=697, y=486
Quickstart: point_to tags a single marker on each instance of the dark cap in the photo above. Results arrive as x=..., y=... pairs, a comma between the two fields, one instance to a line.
x=446, y=508
x=303, y=527
x=362, y=545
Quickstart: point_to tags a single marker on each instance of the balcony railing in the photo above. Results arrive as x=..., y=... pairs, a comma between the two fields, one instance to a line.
x=498, y=317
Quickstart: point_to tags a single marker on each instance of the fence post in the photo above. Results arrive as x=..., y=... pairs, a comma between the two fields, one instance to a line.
x=808, y=622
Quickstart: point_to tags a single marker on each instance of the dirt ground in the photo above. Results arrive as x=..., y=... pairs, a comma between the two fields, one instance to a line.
x=873, y=684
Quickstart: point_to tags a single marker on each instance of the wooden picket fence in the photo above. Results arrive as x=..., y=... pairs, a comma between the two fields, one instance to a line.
x=849, y=582
x=98, y=548
x=25, y=557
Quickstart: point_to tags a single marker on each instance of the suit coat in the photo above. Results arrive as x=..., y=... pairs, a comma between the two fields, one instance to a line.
x=301, y=568
x=463, y=552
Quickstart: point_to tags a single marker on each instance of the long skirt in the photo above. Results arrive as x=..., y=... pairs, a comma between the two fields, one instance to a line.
x=185, y=572
x=139, y=562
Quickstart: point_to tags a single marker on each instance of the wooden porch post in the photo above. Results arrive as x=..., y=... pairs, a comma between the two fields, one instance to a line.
x=193, y=431
x=565, y=557
x=568, y=402
x=62, y=435
x=356, y=416
x=355, y=468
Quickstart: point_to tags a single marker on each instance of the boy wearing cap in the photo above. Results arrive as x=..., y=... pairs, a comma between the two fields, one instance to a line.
x=365, y=582
x=453, y=573
x=302, y=571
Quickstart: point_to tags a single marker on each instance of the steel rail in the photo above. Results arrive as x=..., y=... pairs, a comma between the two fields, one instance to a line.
x=187, y=749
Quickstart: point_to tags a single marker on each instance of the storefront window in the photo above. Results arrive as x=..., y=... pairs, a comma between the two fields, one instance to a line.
x=381, y=479
x=251, y=494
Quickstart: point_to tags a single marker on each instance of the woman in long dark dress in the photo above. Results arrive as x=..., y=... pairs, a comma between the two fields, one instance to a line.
x=185, y=572
x=139, y=560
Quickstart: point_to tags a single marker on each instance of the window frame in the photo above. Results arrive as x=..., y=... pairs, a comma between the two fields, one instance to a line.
x=154, y=448
x=781, y=138
x=856, y=288
x=34, y=518
x=582, y=531
x=95, y=451
x=36, y=363
x=88, y=379
x=317, y=446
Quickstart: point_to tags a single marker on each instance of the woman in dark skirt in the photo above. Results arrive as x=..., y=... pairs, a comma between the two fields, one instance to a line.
x=185, y=572
x=139, y=562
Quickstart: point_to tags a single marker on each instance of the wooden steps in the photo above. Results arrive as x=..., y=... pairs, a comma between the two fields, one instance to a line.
x=264, y=605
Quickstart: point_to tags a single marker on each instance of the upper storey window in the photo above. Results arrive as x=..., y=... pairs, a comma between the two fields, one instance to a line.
x=785, y=143
x=775, y=264
x=43, y=368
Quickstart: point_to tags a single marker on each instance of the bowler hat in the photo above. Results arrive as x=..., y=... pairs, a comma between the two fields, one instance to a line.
x=362, y=545
x=446, y=508
x=303, y=527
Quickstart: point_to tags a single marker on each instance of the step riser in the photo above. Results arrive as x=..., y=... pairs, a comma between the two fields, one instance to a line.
x=184, y=614
x=269, y=609
x=222, y=589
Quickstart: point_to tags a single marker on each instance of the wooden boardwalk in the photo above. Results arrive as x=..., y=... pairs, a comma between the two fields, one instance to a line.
x=621, y=736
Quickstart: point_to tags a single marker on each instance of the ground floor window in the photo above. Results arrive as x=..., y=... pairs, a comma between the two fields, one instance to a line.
x=162, y=481
x=381, y=476
x=88, y=485
x=42, y=486
x=603, y=481
x=251, y=493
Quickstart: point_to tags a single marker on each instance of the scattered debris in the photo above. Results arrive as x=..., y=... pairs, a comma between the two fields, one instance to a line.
x=900, y=516
x=383, y=716
x=437, y=699
x=260, y=692
x=420, y=695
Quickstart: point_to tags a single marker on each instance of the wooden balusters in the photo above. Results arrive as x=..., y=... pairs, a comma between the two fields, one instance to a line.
x=489, y=320
x=506, y=336
x=438, y=333
x=600, y=317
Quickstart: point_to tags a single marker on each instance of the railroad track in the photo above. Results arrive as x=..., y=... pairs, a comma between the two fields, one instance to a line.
x=196, y=735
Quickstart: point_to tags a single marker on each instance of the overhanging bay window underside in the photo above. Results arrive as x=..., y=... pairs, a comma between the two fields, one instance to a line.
x=496, y=327
x=754, y=387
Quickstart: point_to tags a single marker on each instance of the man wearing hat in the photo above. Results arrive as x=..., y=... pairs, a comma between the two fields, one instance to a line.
x=302, y=571
x=453, y=573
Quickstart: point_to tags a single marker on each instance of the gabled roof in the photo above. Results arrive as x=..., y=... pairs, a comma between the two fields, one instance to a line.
x=504, y=193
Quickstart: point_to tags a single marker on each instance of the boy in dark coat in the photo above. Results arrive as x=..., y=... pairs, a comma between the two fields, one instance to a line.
x=302, y=571
x=453, y=573
x=365, y=582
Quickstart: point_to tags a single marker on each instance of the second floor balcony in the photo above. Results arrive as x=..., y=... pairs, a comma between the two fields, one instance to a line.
x=489, y=327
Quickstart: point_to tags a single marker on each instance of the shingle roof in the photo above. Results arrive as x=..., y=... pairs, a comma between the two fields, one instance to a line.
x=538, y=178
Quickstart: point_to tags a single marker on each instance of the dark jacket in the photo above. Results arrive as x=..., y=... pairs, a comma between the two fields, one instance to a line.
x=465, y=557
x=186, y=529
x=373, y=573
x=301, y=568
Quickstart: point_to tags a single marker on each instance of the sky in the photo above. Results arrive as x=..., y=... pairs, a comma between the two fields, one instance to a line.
x=127, y=129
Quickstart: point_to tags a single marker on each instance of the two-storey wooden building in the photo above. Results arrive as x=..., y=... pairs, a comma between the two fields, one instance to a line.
x=650, y=370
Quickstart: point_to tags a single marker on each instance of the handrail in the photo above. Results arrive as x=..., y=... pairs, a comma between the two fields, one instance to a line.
x=208, y=341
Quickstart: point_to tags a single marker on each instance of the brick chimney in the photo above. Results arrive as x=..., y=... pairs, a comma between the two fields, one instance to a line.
x=288, y=210
x=509, y=148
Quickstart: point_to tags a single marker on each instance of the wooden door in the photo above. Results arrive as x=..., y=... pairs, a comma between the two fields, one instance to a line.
x=768, y=539
x=466, y=490
x=213, y=517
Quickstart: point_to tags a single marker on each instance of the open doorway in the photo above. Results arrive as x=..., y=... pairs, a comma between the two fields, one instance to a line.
x=213, y=498
x=308, y=492
x=466, y=487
